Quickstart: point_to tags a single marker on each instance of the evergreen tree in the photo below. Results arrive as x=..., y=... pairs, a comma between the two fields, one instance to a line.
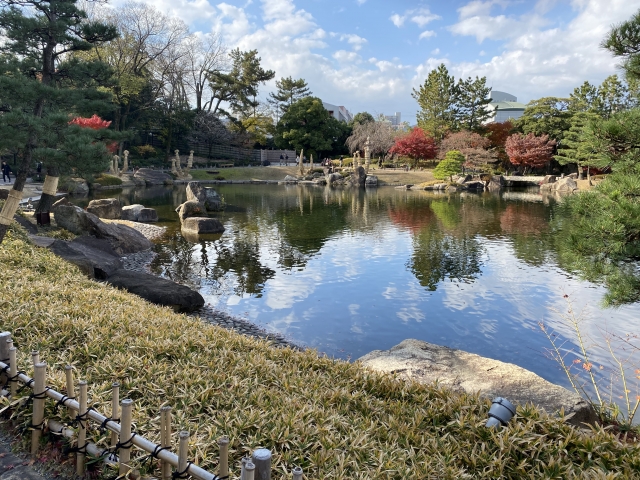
x=473, y=98
x=573, y=148
x=583, y=99
x=437, y=100
x=361, y=118
x=546, y=116
x=289, y=92
x=612, y=96
x=449, y=166
x=624, y=41
x=40, y=86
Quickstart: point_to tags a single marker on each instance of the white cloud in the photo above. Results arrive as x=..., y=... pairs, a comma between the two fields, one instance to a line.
x=397, y=20
x=435, y=51
x=427, y=34
x=353, y=39
x=345, y=56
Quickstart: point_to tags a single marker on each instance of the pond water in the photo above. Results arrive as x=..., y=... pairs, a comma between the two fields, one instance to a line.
x=348, y=271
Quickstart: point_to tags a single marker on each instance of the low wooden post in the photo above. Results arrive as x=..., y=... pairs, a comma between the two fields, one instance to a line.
x=115, y=409
x=40, y=377
x=82, y=427
x=297, y=473
x=13, y=371
x=223, y=462
x=71, y=390
x=261, y=458
x=4, y=353
x=35, y=357
x=165, y=440
x=125, y=435
x=249, y=471
x=183, y=451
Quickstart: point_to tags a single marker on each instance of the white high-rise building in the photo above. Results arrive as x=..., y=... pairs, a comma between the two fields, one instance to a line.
x=395, y=120
x=504, y=107
x=338, y=112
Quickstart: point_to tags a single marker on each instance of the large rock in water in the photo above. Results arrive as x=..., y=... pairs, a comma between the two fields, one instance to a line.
x=93, y=256
x=157, y=290
x=205, y=195
x=153, y=177
x=470, y=373
x=148, y=215
x=123, y=239
x=358, y=177
x=105, y=208
x=202, y=225
x=131, y=212
x=190, y=209
x=371, y=181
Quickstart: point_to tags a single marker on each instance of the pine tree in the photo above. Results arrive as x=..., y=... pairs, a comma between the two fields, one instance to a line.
x=472, y=100
x=573, y=148
x=451, y=165
x=289, y=92
x=41, y=85
x=437, y=101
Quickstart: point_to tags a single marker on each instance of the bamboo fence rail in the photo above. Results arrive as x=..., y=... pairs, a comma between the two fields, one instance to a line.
x=119, y=425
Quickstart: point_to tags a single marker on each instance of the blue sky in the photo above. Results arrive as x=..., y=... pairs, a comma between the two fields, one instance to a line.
x=368, y=54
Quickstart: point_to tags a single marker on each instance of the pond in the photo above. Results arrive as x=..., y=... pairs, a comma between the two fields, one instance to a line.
x=348, y=271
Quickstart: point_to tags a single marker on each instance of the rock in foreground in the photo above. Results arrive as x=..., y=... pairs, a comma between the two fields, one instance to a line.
x=467, y=372
x=202, y=225
x=157, y=290
x=153, y=177
x=109, y=208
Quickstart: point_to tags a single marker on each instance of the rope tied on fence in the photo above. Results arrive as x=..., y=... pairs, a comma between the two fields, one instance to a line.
x=147, y=458
x=125, y=445
x=14, y=378
x=77, y=449
x=103, y=426
x=62, y=403
x=27, y=384
x=82, y=418
x=182, y=474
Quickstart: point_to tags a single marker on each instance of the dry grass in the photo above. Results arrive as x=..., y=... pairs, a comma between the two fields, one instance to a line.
x=334, y=419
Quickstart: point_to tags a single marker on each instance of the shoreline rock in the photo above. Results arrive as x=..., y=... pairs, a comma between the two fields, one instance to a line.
x=467, y=372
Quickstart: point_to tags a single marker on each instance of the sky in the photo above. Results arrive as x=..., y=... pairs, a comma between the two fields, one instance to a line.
x=368, y=55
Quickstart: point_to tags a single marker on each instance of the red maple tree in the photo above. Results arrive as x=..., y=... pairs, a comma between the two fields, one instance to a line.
x=497, y=134
x=529, y=151
x=96, y=123
x=415, y=145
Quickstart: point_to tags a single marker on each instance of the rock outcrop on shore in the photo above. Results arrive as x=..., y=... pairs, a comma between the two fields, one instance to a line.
x=467, y=372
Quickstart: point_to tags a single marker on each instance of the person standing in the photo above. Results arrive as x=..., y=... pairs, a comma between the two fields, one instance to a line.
x=286, y=159
x=281, y=159
x=6, y=172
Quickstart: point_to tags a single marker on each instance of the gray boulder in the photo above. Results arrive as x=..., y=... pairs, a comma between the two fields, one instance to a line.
x=105, y=208
x=565, y=185
x=463, y=179
x=548, y=179
x=78, y=186
x=157, y=290
x=334, y=178
x=290, y=179
x=148, y=215
x=496, y=183
x=470, y=373
x=191, y=209
x=208, y=196
x=153, y=177
x=202, y=225
x=371, y=181
x=93, y=256
x=477, y=185
x=123, y=239
x=358, y=177
x=131, y=212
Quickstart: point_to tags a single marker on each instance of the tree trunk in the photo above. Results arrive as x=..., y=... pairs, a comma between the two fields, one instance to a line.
x=49, y=189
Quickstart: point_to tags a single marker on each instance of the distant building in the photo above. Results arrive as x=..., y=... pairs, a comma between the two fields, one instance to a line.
x=504, y=106
x=395, y=120
x=338, y=112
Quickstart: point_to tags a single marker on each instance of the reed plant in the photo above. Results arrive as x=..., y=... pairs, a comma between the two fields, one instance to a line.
x=335, y=419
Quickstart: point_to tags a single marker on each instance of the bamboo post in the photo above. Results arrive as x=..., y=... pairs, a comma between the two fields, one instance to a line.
x=183, y=451
x=4, y=352
x=249, y=471
x=115, y=409
x=82, y=428
x=243, y=462
x=71, y=390
x=35, y=357
x=297, y=473
x=223, y=463
x=165, y=440
x=125, y=435
x=261, y=458
x=13, y=371
x=40, y=377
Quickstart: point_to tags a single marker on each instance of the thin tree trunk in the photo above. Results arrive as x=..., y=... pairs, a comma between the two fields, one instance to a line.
x=48, y=197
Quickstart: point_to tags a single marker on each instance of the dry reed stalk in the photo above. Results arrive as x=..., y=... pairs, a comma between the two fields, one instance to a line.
x=71, y=390
x=115, y=409
x=40, y=377
x=83, y=422
x=125, y=436
x=13, y=371
x=183, y=451
x=165, y=440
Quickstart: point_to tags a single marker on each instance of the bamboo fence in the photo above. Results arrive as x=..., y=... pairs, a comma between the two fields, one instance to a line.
x=119, y=424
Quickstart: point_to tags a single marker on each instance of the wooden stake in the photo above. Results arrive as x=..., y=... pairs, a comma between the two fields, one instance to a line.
x=40, y=376
x=71, y=390
x=115, y=409
x=297, y=473
x=249, y=470
x=13, y=371
x=183, y=451
x=223, y=462
x=125, y=435
x=165, y=440
x=35, y=357
x=261, y=458
x=4, y=352
x=82, y=428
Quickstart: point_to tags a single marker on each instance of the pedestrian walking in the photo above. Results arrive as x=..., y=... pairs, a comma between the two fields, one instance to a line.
x=6, y=172
x=281, y=159
x=286, y=159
